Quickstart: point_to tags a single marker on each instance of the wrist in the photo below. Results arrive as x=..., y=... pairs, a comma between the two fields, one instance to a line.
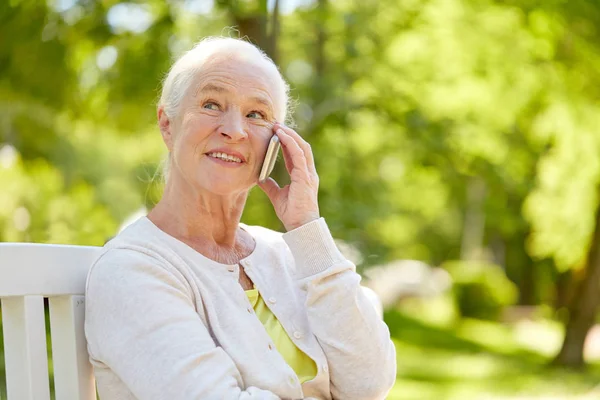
x=298, y=224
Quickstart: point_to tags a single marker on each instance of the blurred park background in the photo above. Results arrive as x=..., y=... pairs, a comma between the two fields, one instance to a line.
x=457, y=141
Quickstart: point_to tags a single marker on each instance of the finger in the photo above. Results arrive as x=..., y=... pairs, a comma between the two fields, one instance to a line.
x=288, y=161
x=304, y=145
x=294, y=152
x=286, y=157
x=271, y=188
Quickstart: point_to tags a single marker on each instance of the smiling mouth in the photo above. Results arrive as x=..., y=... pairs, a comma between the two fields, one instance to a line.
x=225, y=157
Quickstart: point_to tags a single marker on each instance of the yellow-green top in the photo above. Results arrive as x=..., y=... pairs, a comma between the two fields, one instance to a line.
x=303, y=365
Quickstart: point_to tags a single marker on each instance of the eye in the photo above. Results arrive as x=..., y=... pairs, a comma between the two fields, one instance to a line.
x=211, y=105
x=256, y=115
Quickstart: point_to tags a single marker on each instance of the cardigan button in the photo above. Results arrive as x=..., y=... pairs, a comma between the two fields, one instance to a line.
x=231, y=268
x=270, y=346
x=325, y=368
x=298, y=335
x=272, y=300
x=249, y=310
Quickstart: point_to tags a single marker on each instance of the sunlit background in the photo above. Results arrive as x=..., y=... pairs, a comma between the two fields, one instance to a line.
x=457, y=142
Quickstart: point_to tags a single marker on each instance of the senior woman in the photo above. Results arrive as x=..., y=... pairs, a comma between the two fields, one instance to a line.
x=190, y=303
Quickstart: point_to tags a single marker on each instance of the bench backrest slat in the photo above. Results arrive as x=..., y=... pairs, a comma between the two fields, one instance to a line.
x=73, y=375
x=25, y=358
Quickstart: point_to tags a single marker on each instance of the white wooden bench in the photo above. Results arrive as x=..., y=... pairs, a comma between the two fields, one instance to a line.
x=28, y=273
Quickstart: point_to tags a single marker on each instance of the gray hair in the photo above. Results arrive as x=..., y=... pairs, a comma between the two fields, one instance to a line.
x=182, y=73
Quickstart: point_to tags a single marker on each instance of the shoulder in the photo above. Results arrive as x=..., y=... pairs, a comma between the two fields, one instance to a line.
x=133, y=247
x=122, y=256
x=138, y=232
x=137, y=246
x=126, y=267
x=262, y=232
x=269, y=237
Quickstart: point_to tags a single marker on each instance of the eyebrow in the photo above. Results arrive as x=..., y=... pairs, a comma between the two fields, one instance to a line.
x=211, y=87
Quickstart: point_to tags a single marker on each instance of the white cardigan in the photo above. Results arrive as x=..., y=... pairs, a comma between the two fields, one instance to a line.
x=165, y=322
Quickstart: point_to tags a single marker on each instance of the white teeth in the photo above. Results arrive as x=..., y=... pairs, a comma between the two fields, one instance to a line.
x=225, y=157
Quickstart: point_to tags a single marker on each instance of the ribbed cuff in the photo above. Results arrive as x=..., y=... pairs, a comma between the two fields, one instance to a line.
x=313, y=248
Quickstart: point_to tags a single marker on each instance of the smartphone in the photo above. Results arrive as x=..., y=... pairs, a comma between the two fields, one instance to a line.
x=270, y=159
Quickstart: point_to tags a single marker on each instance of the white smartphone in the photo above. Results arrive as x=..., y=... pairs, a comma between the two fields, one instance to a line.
x=270, y=158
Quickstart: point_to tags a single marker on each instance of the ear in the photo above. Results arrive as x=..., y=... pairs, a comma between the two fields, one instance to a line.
x=165, y=126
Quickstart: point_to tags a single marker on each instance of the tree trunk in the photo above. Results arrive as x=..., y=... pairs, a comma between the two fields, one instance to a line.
x=273, y=50
x=253, y=24
x=522, y=269
x=321, y=39
x=319, y=61
x=582, y=311
x=527, y=285
x=474, y=223
x=564, y=290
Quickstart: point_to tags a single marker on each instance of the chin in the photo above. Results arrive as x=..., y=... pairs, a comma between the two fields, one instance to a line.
x=226, y=188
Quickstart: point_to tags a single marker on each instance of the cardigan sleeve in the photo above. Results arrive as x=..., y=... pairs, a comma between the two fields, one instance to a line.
x=360, y=354
x=141, y=323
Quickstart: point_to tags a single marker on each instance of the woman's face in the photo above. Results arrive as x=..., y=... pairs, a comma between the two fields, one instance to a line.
x=220, y=136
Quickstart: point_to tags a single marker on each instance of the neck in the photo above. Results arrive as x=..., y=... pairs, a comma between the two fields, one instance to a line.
x=193, y=216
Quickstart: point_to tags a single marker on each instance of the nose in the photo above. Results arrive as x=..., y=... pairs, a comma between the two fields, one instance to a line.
x=233, y=127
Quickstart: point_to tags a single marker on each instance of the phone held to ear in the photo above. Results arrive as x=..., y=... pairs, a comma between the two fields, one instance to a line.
x=270, y=159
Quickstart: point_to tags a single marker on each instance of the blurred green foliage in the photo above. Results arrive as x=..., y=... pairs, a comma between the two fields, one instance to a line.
x=416, y=98
x=481, y=290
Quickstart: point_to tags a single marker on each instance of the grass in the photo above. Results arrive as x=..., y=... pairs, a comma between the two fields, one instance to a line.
x=473, y=359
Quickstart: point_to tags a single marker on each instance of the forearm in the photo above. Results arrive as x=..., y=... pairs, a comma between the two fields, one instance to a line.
x=360, y=354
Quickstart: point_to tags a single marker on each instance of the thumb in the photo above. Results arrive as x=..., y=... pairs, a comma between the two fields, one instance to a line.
x=271, y=189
